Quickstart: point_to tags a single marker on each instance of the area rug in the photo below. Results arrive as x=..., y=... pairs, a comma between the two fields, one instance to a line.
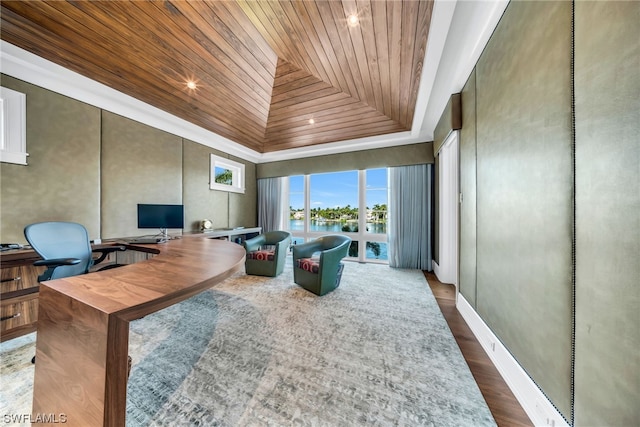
x=257, y=351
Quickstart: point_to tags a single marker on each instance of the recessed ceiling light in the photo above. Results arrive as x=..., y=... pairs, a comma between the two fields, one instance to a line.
x=352, y=20
x=311, y=121
x=191, y=85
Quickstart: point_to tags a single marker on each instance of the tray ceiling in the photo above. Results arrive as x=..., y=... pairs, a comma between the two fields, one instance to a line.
x=269, y=75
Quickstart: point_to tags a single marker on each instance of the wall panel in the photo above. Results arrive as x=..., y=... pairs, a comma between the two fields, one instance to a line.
x=140, y=164
x=402, y=155
x=62, y=179
x=607, y=85
x=524, y=191
x=243, y=208
x=224, y=209
x=451, y=119
x=467, y=272
x=200, y=201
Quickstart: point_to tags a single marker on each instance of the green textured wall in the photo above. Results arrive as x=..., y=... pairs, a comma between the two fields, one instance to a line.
x=524, y=191
x=140, y=164
x=223, y=208
x=607, y=85
x=450, y=120
x=201, y=202
x=517, y=109
x=62, y=178
x=243, y=208
x=93, y=167
x=468, y=242
x=411, y=154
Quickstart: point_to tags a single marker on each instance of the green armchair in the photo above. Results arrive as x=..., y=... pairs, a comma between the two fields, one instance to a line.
x=261, y=261
x=320, y=275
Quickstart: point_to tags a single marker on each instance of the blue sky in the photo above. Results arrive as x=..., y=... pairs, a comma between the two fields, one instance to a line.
x=330, y=190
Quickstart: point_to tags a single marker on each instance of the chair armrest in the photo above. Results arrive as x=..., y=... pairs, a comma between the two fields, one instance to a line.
x=56, y=262
x=306, y=250
x=334, y=255
x=254, y=244
x=106, y=250
x=283, y=245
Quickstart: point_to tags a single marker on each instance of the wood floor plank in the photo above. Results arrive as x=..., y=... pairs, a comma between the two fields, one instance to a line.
x=504, y=407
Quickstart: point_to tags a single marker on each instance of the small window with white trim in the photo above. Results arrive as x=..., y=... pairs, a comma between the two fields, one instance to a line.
x=226, y=175
x=13, y=126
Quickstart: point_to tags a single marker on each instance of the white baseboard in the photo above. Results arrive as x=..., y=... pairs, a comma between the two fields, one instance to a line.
x=441, y=274
x=436, y=268
x=539, y=409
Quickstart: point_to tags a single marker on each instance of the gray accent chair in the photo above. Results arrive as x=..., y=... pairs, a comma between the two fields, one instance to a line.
x=322, y=274
x=266, y=253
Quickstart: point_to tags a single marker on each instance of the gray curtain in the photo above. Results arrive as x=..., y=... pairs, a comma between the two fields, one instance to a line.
x=270, y=204
x=410, y=217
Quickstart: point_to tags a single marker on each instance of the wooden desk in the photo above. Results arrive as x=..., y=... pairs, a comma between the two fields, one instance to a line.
x=83, y=325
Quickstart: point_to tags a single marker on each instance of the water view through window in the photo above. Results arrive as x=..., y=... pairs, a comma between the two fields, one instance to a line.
x=334, y=207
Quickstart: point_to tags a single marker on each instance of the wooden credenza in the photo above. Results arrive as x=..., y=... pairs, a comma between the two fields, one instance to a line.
x=231, y=234
x=18, y=293
x=83, y=325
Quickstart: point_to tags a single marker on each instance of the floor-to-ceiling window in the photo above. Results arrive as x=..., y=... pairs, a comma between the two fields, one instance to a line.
x=352, y=203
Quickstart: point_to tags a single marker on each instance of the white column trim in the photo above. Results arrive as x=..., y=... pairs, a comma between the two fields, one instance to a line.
x=447, y=267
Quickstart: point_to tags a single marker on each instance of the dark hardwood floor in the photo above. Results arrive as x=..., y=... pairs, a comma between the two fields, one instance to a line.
x=503, y=405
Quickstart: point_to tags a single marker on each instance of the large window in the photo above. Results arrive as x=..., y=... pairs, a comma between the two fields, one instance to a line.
x=352, y=203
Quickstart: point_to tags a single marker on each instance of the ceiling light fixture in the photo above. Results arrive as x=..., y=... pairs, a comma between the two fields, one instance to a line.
x=352, y=20
x=311, y=121
x=191, y=85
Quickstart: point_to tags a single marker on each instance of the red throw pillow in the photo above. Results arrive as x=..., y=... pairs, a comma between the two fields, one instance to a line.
x=262, y=255
x=311, y=265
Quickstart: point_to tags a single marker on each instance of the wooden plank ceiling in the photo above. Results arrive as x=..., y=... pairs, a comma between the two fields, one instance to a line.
x=263, y=69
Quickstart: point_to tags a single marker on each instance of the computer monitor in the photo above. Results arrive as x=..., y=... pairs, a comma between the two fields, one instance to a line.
x=160, y=216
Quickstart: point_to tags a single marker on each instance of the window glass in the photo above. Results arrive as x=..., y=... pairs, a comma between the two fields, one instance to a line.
x=353, y=249
x=334, y=202
x=377, y=201
x=297, y=240
x=377, y=251
x=296, y=203
x=352, y=203
x=223, y=176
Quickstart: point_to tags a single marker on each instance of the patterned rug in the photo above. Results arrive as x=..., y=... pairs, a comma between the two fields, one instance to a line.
x=258, y=351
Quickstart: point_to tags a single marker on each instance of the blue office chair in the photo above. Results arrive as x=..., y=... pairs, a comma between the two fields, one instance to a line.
x=65, y=249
